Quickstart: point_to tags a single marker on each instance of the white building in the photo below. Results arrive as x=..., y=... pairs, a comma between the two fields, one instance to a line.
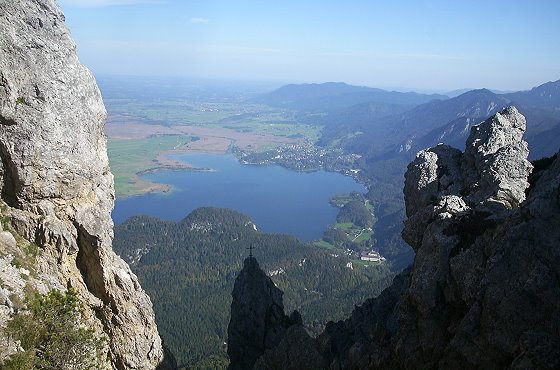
x=372, y=256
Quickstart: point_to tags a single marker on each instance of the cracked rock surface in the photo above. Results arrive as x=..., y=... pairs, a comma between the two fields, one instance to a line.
x=56, y=186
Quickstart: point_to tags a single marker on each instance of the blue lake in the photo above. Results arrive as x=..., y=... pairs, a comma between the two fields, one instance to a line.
x=276, y=199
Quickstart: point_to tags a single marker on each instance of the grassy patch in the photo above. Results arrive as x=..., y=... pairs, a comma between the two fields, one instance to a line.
x=292, y=130
x=28, y=259
x=323, y=244
x=253, y=118
x=21, y=100
x=365, y=263
x=340, y=200
x=171, y=111
x=129, y=157
x=365, y=235
x=344, y=226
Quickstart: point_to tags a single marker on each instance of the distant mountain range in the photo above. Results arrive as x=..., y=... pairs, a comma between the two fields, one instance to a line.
x=377, y=122
x=545, y=96
x=337, y=95
x=540, y=106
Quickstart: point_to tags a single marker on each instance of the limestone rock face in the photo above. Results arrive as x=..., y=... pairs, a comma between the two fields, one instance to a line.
x=483, y=291
x=495, y=162
x=257, y=319
x=55, y=181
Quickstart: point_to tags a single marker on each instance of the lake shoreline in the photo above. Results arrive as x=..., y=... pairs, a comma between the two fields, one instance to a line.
x=269, y=195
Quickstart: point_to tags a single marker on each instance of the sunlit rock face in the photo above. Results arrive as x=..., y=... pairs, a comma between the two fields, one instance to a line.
x=56, y=186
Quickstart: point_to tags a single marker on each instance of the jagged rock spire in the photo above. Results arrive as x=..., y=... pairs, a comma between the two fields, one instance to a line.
x=257, y=319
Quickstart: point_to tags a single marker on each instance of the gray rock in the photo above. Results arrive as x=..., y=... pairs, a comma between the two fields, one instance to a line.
x=434, y=172
x=4, y=299
x=55, y=177
x=7, y=240
x=495, y=166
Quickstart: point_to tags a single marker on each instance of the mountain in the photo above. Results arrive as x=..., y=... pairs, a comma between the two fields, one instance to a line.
x=471, y=107
x=56, y=199
x=386, y=140
x=482, y=292
x=455, y=93
x=542, y=132
x=540, y=106
x=387, y=143
x=188, y=269
x=399, y=132
x=336, y=95
x=356, y=115
x=546, y=142
x=375, y=122
x=443, y=121
x=546, y=96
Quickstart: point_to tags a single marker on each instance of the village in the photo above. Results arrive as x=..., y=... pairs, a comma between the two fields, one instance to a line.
x=303, y=157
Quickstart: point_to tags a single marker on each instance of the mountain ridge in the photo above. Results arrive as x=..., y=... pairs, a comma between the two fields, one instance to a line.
x=337, y=95
x=425, y=122
x=546, y=95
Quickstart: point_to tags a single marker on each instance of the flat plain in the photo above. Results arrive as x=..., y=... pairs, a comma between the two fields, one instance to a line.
x=143, y=134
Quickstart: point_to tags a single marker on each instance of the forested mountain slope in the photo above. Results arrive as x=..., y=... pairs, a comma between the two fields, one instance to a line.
x=188, y=268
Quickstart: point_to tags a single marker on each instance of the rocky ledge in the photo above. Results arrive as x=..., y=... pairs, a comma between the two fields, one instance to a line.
x=56, y=187
x=484, y=289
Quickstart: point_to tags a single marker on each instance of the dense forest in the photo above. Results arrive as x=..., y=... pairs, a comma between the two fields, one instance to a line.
x=189, y=267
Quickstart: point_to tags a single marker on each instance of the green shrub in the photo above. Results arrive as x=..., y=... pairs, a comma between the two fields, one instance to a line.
x=21, y=100
x=51, y=337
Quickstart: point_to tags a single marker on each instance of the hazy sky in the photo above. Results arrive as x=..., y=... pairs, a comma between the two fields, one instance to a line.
x=444, y=45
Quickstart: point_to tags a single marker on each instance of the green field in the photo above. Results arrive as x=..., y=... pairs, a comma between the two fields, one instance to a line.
x=287, y=129
x=365, y=263
x=323, y=244
x=353, y=232
x=344, y=226
x=171, y=111
x=357, y=234
x=253, y=118
x=340, y=200
x=363, y=236
x=129, y=157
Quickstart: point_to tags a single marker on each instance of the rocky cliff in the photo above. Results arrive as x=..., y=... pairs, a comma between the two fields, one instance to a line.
x=484, y=289
x=56, y=187
x=257, y=319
